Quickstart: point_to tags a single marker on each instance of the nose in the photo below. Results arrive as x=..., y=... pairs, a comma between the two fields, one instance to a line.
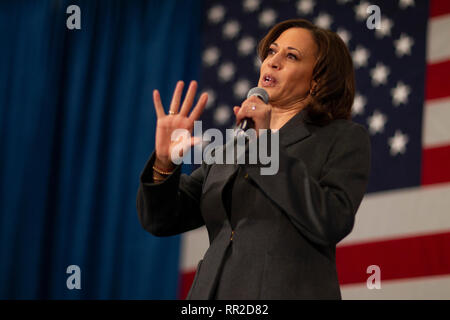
x=275, y=61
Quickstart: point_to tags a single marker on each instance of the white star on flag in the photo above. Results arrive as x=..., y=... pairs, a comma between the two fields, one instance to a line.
x=231, y=29
x=241, y=88
x=211, y=98
x=361, y=10
x=251, y=5
x=344, y=35
x=360, y=57
x=358, y=104
x=376, y=122
x=379, y=74
x=222, y=114
x=246, y=45
x=257, y=63
x=226, y=71
x=305, y=6
x=216, y=14
x=324, y=20
x=398, y=143
x=406, y=3
x=400, y=94
x=403, y=45
x=267, y=18
x=210, y=56
x=386, y=25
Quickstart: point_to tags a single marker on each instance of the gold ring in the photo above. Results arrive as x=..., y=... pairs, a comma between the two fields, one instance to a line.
x=172, y=112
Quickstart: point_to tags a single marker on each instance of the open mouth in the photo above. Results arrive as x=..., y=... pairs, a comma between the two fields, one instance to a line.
x=269, y=81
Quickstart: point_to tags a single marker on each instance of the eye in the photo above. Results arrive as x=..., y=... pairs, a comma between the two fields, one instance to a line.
x=270, y=51
x=292, y=56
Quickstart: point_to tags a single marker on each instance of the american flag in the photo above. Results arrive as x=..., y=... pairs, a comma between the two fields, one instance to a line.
x=402, y=97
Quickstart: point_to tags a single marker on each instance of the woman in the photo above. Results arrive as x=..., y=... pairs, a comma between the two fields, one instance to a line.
x=271, y=236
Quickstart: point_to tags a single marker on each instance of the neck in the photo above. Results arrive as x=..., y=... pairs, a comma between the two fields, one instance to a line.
x=281, y=115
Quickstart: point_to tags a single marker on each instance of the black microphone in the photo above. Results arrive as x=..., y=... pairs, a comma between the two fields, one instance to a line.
x=247, y=123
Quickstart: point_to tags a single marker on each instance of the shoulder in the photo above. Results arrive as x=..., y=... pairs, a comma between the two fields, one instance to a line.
x=343, y=125
x=340, y=128
x=342, y=134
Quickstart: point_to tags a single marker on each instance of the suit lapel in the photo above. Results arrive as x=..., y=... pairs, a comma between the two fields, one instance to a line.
x=295, y=129
x=221, y=172
x=219, y=175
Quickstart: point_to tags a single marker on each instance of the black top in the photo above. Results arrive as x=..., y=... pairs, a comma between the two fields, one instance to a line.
x=228, y=194
x=277, y=239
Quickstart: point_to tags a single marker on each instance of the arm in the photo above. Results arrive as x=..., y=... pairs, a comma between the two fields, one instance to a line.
x=171, y=206
x=323, y=210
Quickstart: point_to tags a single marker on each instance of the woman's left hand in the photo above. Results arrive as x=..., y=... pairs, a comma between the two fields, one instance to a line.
x=255, y=109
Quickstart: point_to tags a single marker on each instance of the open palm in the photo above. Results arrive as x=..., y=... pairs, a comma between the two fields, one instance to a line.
x=177, y=118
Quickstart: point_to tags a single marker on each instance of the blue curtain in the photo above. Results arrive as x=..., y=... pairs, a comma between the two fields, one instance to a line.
x=76, y=126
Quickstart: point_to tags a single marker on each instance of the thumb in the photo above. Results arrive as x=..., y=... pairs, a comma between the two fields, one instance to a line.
x=236, y=110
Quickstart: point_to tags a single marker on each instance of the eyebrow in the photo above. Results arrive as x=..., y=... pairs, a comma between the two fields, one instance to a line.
x=291, y=48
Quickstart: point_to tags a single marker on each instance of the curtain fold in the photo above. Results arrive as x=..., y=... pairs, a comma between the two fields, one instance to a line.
x=77, y=124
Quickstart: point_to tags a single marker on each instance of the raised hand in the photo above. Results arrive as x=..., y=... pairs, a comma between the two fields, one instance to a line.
x=176, y=119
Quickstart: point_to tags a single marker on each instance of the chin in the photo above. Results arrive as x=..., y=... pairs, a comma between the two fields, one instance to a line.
x=270, y=90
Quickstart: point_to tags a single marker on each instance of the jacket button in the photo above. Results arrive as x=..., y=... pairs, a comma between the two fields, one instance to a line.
x=232, y=234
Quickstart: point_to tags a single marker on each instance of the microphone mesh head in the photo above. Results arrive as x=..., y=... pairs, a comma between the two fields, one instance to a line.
x=260, y=93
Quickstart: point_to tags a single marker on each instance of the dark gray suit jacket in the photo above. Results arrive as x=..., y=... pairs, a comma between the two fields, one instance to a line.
x=285, y=226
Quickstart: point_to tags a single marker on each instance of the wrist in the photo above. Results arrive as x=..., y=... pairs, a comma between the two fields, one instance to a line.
x=164, y=165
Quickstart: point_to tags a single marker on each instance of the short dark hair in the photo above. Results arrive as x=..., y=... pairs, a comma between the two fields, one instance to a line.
x=333, y=71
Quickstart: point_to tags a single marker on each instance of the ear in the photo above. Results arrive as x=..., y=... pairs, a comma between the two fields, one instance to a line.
x=314, y=83
x=312, y=90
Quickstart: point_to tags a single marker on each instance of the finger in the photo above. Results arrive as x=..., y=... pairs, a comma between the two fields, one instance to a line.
x=180, y=143
x=189, y=99
x=236, y=110
x=199, y=107
x=185, y=144
x=196, y=141
x=241, y=114
x=158, y=104
x=176, y=98
x=253, y=99
x=245, y=112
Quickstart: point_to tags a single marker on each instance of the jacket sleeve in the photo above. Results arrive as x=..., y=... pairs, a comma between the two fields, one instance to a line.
x=323, y=209
x=170, y=207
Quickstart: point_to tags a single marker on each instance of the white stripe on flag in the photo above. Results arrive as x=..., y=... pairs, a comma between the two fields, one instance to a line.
x=399, y=213
x=436, y=128
x=438, y=45
x=426, y=288
x=193, y=246
x=381, y=216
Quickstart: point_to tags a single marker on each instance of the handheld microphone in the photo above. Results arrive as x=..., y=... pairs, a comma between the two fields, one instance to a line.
x=247, y=123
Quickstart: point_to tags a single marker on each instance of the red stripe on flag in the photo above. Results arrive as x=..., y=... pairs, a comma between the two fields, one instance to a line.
x=435, y=165
x=438, y=81
x=187, y=278
x=439, y=8
x=398, y=259
x=403, y=258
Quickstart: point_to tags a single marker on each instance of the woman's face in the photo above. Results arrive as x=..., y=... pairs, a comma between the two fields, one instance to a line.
x=286, y=73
